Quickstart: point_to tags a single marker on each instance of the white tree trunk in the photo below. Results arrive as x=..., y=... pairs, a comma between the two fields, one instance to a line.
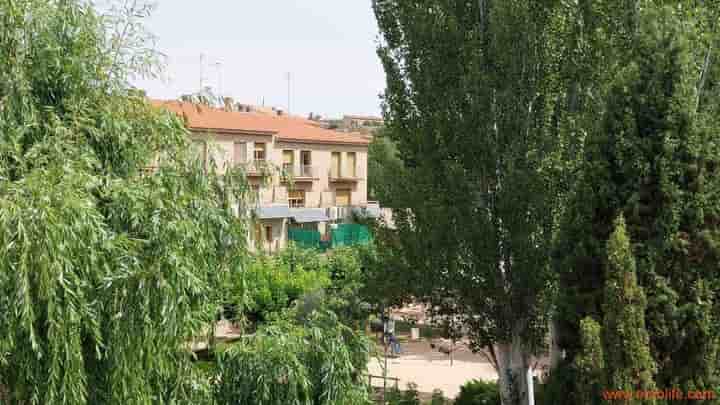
x=514, y=373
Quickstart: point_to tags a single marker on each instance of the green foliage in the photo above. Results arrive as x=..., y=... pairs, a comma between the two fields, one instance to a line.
x=317, y=363
x=387, y=280
x=345, y=296
x=410, y=396
x=653, y=159
x=271, y=285
x=627, y=353
x=305, y=280
x=438, y=398
x=105, y=271
x=590, y=363
x=475, y=104
x=478, y=392
x=385, y=170
x=554, y=391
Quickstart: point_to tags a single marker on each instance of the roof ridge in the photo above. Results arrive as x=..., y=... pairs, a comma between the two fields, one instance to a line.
x=287, y=128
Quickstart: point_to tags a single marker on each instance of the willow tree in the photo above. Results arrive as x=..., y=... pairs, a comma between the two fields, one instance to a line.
x=472, y=88
x=654, y=159
x=106, y=269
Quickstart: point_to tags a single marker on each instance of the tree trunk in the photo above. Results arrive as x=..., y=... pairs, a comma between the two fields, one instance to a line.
x=555, y=351
x=514, y=373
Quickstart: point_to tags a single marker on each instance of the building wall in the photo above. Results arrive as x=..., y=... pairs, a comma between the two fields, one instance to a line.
x=321, y=192
x=221, y=146
x=279, y=235
x=318, y=193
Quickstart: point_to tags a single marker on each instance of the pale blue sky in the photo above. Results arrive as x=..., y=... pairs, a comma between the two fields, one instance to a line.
x=327, y=45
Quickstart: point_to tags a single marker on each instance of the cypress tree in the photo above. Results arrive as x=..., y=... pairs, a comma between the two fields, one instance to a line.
x=654, y=158
x=590, y=363
x=629, y=366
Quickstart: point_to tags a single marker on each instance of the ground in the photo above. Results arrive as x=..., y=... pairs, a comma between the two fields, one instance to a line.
x=431, y=369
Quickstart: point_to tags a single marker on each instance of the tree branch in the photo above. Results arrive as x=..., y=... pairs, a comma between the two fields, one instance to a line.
x=703, y=76
x=491, y=358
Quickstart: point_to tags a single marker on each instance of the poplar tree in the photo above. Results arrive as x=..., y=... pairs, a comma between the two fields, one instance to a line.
x=471, y=91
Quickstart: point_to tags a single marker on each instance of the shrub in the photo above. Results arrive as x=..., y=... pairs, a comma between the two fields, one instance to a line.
x=268, y=285
x=408, y=397
x=438, y=398
x=478, y=392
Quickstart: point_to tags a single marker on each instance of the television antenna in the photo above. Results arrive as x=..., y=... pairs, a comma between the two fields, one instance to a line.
x=218, y=66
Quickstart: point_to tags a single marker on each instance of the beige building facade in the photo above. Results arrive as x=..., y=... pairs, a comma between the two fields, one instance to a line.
x=305, y=176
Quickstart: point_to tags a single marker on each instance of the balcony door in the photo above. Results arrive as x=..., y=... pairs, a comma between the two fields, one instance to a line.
x=259, y=152
x=306, y=163
x=239, y=153
x=342, y=197
x=288, y=161
x=351, y=164
x=335, y=165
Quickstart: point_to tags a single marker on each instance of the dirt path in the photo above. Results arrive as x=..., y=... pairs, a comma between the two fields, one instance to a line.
x=430, y=369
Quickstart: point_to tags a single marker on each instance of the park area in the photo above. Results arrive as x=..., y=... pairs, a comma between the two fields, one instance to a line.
x=431, y=369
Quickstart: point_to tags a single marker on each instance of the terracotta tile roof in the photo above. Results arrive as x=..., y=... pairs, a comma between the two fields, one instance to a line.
x=285, y=128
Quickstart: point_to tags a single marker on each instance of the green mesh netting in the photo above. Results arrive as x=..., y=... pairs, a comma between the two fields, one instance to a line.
x=350, y=234
x=305, y=238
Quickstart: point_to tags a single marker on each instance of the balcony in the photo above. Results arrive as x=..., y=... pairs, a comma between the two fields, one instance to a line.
x=298, y=174
x=342, y=177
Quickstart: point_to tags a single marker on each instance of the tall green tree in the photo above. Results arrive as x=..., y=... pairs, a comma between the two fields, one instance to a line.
x=589, y=364
x=106, y=269
x=385, y=170
x=472, y=92
x=653, y=159
x=629, y=366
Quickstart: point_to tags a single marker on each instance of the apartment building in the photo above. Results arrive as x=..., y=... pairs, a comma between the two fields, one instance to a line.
x=359, y=122
x=305, y=176
x=359, y=125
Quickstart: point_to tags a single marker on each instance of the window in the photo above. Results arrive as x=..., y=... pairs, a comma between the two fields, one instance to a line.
x=335, y=165
x=296, y=198
x=288, y=161
x=306, y=163
x=268, y=234
x=342, y=197
x=351, y=164
x=239, y=153
x=259, y=151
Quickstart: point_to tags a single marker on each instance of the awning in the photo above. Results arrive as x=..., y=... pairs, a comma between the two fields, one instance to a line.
x=304, y=215
x=273, y=211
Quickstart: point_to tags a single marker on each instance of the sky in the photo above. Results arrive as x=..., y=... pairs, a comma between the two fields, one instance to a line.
x=327, y=46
